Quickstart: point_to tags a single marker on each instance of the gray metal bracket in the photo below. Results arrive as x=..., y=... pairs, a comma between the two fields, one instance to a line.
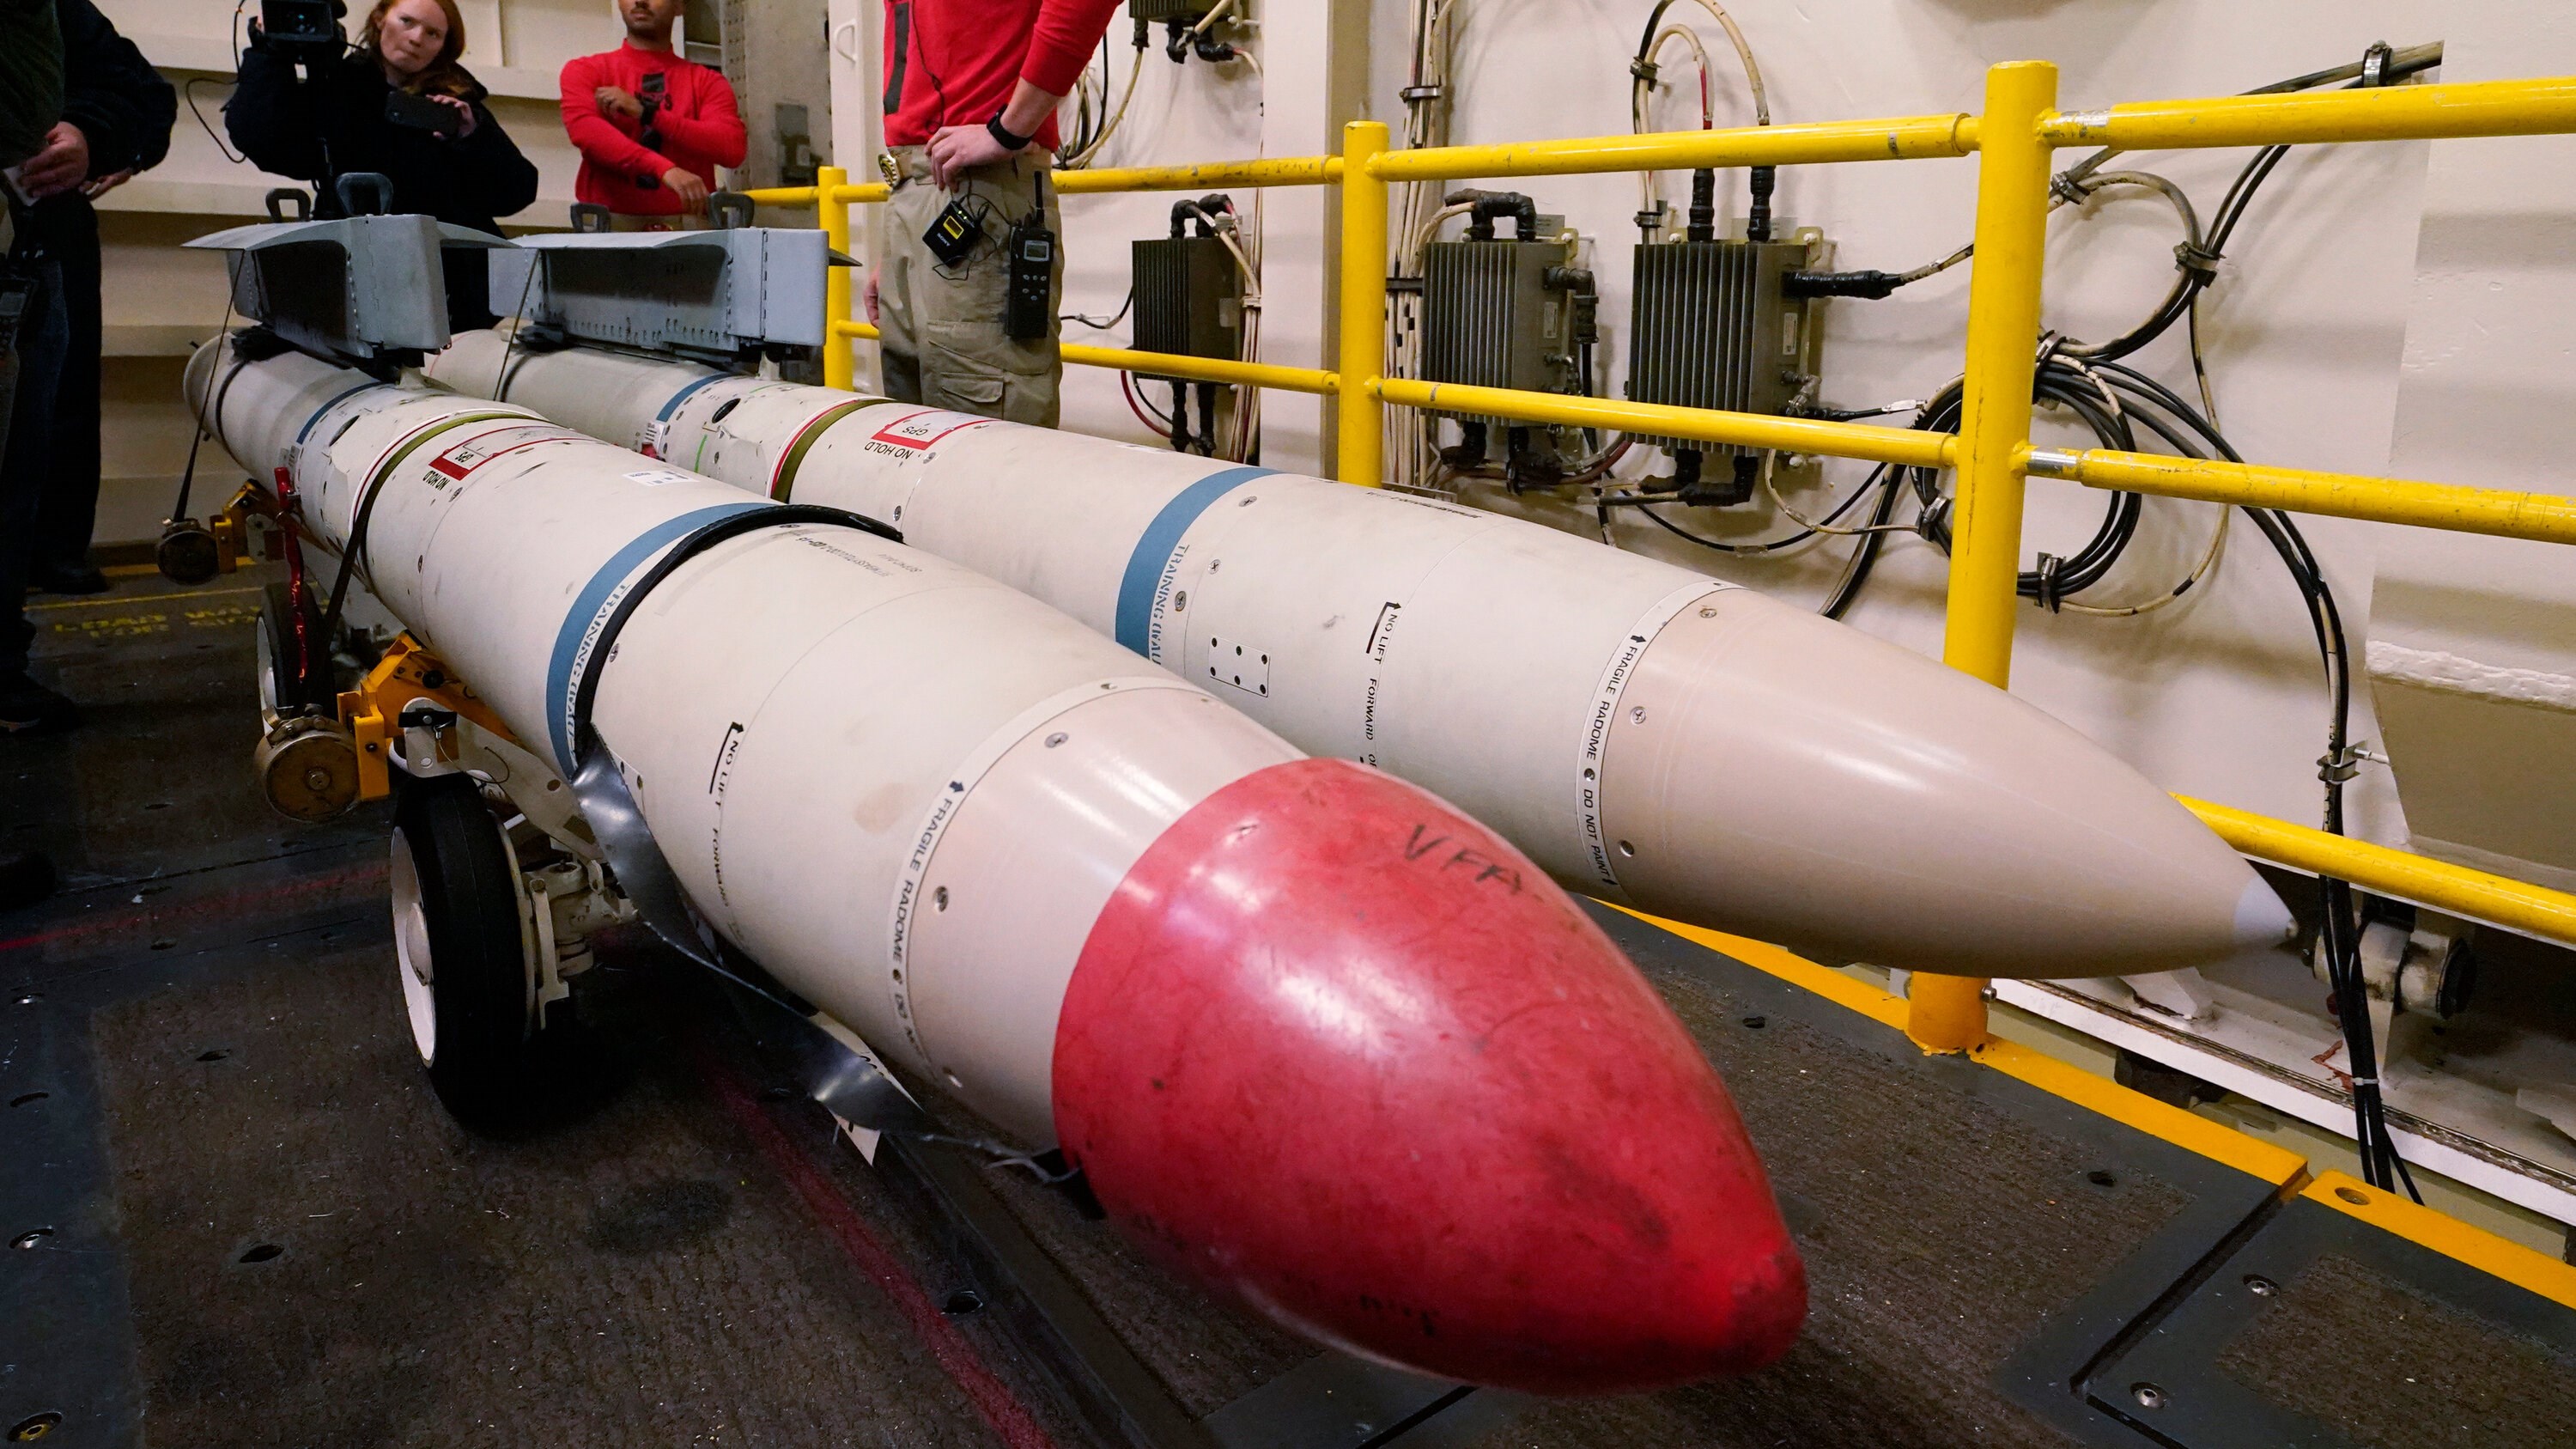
x=722, y=296
x=367, y=290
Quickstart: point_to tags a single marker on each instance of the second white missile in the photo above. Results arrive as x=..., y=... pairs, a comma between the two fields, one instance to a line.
x=1649, y=735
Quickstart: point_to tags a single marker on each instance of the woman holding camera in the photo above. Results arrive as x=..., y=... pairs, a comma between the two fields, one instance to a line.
x=396, y=103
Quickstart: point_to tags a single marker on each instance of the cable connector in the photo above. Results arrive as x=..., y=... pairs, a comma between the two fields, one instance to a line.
x=1415, y=95
x=1873, y=285
x=1645, y=70
x=2336, y=766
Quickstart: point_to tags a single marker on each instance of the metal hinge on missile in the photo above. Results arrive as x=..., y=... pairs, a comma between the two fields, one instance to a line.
x=1513, y=313
x=365, y=289
x=729, y=296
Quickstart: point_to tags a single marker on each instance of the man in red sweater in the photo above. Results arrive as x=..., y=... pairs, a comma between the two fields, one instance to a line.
x=651, y=127
x=970, y=98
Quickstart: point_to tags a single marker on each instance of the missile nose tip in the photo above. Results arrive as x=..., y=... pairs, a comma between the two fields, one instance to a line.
x=2263, y=921
x=1418, y=1105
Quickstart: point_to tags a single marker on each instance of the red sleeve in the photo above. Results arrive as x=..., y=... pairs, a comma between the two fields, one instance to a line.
x=718, y=134
x=594, y=135
x=1061, y=42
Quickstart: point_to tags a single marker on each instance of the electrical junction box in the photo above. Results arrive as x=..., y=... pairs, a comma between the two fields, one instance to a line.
x=1712, y=327
x=1508, y=313
x=1189, y=298
x=1188, y=12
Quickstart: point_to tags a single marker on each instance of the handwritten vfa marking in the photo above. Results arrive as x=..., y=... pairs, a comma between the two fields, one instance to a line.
x=1438, y=849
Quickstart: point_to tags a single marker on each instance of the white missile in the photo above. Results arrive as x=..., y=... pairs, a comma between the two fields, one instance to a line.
x=1311, y=1034
x=1650, y=735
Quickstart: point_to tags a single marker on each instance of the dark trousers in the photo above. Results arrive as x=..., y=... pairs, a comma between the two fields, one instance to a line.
x=43, y=336
x=69, y=509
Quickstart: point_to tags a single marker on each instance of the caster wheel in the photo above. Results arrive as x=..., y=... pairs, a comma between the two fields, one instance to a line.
x=468, y=983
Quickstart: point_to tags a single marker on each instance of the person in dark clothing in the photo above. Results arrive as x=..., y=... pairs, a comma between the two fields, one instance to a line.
x=123, y=110
x=336, y=122
x=116, y=112
x=31, y=101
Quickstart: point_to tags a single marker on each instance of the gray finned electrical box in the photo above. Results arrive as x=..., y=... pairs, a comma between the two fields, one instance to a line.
x=1508, y=314
x=1711, y=327
x=1188, y=299
x=1491, y=318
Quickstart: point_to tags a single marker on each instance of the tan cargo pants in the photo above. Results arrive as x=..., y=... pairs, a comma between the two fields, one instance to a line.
x=941, y=327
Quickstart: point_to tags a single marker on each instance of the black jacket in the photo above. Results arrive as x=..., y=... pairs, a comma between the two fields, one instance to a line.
x=122, y=106
x=335, y=124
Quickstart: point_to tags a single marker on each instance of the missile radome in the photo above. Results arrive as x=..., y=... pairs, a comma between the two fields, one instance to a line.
x=1649, y=735
x=1312, y=1035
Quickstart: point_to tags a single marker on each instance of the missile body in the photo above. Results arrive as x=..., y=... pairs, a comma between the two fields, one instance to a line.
x=1313, y=1035
x=1649, y=735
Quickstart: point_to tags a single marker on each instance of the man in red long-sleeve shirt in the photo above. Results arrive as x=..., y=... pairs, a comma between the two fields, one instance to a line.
x=651, y=127
x=970, y=98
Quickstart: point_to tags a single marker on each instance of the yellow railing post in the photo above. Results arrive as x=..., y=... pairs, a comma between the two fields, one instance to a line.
x=834, y=213
x=1359, y=454
x=1948, y=1013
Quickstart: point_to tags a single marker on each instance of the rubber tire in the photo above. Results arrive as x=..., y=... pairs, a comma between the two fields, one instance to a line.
x=485, y=1062
x=277, y=626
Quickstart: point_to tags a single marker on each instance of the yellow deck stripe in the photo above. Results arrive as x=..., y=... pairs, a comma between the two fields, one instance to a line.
x=2476, y=1247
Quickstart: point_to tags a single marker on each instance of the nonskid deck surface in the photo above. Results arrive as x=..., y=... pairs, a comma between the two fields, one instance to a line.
x=217, y=1031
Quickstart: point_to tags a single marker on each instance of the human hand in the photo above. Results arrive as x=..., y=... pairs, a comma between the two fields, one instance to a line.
x=62, y=165
x=685, y=184
x=619, y=103
x=463, y=110
x=871, y=299
x=957, y=149
x=108, y=183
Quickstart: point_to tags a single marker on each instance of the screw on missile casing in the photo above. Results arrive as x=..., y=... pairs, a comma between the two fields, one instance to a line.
x=1053, y=740
x=1181, y=600
x=1708, y=611
x=1637, y=715
x=939, y=898
x=1626, y=849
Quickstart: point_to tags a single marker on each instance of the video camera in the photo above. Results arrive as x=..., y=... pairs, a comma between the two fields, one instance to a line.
x=306, y=32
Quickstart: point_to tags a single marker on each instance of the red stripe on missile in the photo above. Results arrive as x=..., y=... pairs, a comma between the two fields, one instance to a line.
x=1418, y=1105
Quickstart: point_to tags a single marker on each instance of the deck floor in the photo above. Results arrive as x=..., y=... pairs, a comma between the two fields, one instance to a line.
x=264, y=1230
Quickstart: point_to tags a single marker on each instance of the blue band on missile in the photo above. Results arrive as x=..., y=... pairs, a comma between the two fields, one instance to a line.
x=684, y=394
x=307, y=430
x=593, y=603
x=1155, y=547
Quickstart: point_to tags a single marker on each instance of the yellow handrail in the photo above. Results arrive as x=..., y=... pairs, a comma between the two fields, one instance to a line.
x=1905, y=446
x=2548, y=517
x=2382, y=113
x=1902, y=139
x=1270, y=171
x=1203, y=369
x=2457, y=889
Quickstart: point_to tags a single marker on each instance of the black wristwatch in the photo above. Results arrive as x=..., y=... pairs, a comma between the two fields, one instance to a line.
x=1002, y=134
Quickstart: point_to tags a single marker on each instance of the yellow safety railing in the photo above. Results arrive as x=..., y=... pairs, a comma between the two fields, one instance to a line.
x=2013, y=140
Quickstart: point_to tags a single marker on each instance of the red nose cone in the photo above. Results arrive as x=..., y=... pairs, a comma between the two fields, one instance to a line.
x=1341, y=1051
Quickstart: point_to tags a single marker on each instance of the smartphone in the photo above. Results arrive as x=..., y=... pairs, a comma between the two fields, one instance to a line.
x=421, y=113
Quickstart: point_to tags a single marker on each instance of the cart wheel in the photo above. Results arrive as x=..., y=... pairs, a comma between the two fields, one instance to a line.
x=466, y=978
x=279, y=689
